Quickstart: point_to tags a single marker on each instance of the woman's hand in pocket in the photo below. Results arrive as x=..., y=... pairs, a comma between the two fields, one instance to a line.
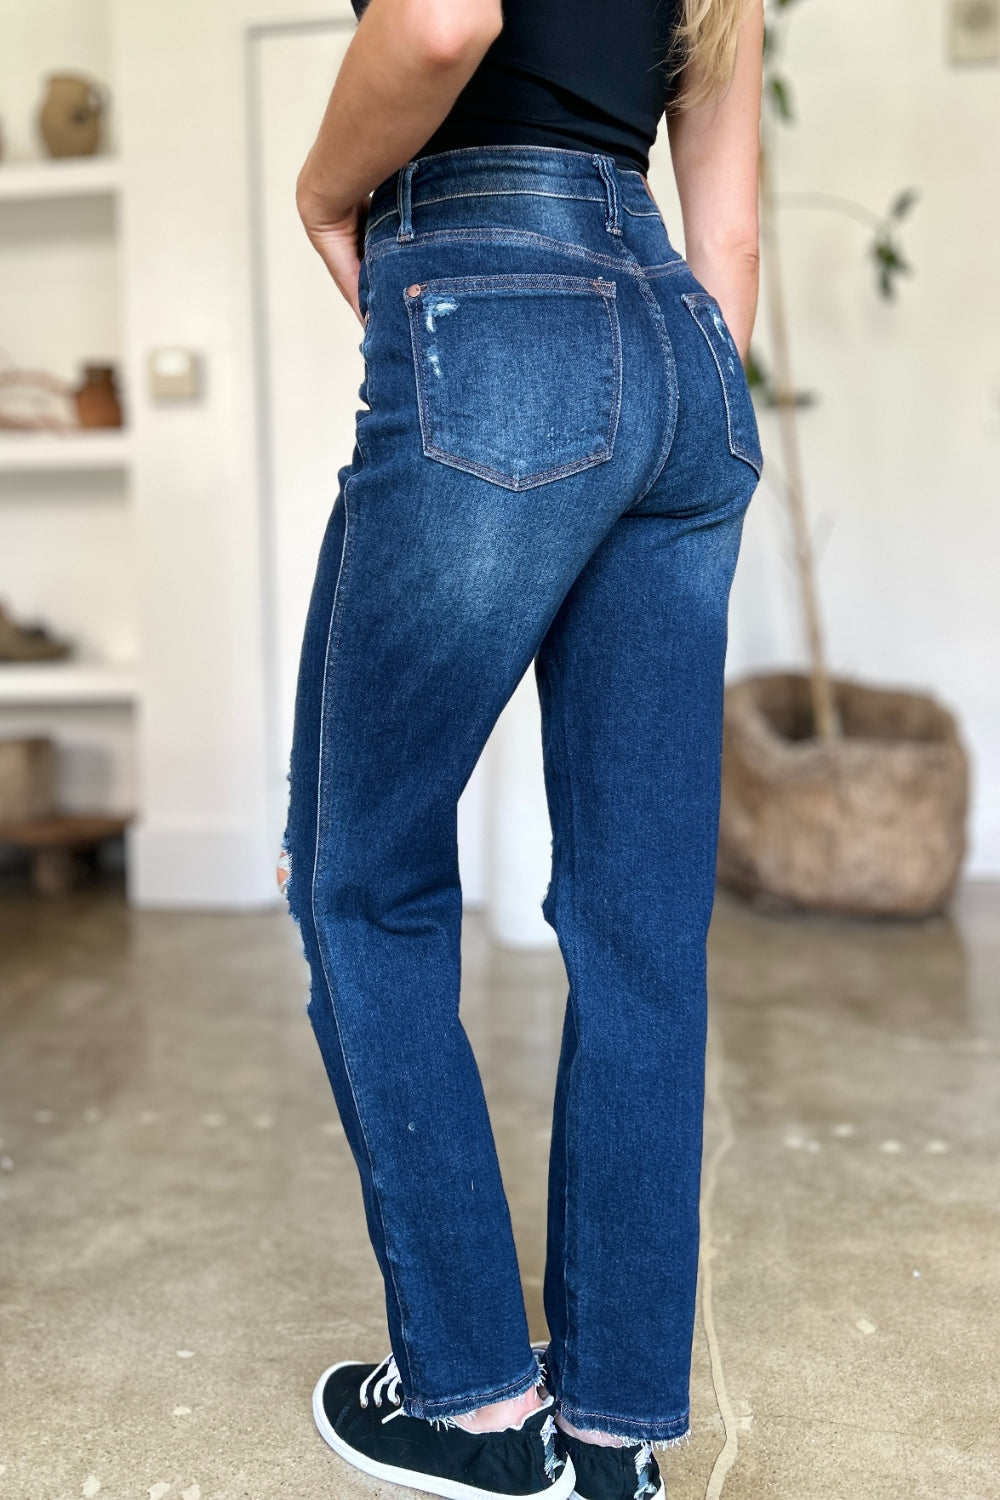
x=337, y=236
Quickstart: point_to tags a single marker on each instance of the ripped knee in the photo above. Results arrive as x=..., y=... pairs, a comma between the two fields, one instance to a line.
x=283, y=872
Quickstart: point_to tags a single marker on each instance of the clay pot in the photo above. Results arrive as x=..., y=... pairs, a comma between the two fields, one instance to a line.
x=70, y=116
x=97, y=403
x=872, y=825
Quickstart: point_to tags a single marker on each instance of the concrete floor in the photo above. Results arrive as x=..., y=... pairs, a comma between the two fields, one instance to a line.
x=181, y=1234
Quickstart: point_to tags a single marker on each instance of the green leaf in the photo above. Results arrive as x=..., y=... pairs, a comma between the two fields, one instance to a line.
x=890, y=264
x=889, y=255
x=756, y=374
x=781, y=97
x=759, y=380
x=902, y=204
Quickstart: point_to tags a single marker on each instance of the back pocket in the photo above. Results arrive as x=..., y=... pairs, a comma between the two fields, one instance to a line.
x=744, y=439
x=518, y=376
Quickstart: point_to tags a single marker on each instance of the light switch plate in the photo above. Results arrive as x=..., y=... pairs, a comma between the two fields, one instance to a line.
x=991, y=407
x=974, y=27
x=174, y=374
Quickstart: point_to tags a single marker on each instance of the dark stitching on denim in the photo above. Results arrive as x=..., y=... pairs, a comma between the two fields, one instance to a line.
x=527, y=281
x=415, y=1406
x=462, y=151
x=332, y=642
x=506, y=193
x=517, y=146
x=531, y=284
x=633, y=213
x=617, y=363
x=404, y=202
x=575, y=927
x=417, y=361
x=505, y=236
x=670, y=366
x=507, y=481
x=694, y=302
x=631, y=1427
x=665, y=268
x=606, y=167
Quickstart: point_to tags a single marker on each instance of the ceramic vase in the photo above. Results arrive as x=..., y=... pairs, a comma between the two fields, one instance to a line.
x=70, y=115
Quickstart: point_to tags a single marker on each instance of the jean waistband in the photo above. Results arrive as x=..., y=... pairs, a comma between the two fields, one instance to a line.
x=484, y=171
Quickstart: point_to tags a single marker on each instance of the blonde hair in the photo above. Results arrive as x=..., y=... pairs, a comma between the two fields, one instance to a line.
x=706, y=49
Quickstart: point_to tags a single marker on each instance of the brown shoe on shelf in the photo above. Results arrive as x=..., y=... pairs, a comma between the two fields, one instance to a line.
x=28, y=642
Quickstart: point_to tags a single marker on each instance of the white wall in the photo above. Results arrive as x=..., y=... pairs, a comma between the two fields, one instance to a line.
x=902, y=456
x=211, y=822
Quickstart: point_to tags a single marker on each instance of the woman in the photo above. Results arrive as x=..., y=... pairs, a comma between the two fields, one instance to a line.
x=553, y=466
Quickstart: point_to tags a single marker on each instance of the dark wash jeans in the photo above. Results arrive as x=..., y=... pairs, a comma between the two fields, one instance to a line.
x=553, y=462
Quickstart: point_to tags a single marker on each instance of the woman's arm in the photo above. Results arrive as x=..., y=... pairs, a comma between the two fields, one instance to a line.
x=715, y=149
x=406, y=65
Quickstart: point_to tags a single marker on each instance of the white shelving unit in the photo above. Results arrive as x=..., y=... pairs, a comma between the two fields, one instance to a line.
x=36, y=452
x=87, y=701
x=62, y=452
x=75, y=177
x=67, y=684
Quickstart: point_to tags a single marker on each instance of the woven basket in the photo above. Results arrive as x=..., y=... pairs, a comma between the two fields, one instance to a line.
x=27, y=778
x=872, y=825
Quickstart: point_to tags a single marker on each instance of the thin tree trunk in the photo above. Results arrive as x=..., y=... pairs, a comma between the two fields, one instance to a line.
x=826, y=719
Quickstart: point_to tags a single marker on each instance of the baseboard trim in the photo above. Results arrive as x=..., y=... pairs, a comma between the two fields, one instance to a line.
x=200, y=866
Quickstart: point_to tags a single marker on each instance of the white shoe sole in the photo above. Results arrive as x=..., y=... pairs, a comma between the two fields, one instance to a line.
x=661, y=1494
x=451, y=1489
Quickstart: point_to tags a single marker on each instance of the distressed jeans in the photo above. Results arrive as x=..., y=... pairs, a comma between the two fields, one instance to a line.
x=554, y=455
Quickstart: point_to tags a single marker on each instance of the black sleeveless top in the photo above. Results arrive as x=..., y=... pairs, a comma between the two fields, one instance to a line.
x=584, y=75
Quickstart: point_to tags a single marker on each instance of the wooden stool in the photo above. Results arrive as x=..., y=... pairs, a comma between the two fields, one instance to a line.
x=54, y=842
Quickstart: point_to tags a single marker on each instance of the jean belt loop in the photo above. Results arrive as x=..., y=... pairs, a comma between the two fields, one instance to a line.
x=404, y=201
x=606, y=166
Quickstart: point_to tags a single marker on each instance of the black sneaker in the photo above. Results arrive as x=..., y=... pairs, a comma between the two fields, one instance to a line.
x=629, y=1473
x=358, y=1410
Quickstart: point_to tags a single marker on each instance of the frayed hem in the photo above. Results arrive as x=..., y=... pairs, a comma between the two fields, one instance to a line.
x=683, y=1440
x=443, y=1412
x=658, y=1445
x=628, y=1433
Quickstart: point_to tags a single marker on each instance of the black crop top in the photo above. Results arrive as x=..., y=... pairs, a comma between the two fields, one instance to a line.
x=584, y=75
